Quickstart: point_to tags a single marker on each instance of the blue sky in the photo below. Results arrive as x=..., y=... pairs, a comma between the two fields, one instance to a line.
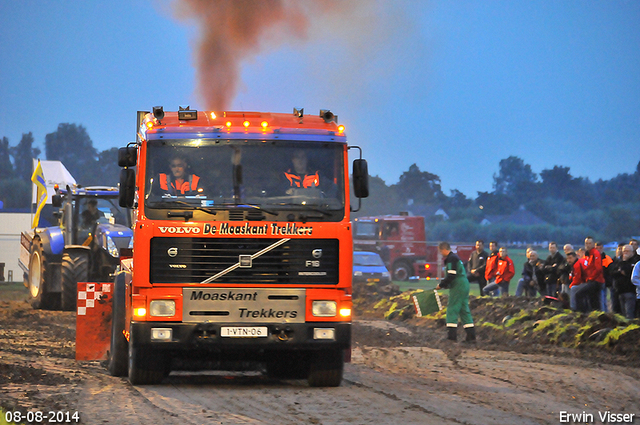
x=453, y=86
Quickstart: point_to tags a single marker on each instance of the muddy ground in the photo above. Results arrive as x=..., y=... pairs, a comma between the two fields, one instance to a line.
x=527, y=368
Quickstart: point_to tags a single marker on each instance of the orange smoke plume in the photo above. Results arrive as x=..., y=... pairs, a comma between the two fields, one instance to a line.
x=233, y=30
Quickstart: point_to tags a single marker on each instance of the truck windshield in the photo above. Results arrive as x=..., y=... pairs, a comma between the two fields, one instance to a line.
x=274, y=178
x=366, y=230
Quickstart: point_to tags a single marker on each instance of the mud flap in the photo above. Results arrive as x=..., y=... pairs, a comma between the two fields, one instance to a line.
x=93, y=320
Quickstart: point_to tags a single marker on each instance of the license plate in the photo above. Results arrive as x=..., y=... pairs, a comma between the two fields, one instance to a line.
x=244, y=332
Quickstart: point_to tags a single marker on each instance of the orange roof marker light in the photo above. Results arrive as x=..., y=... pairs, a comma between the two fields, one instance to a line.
x=213, y=115
x=264, y=125
x=246, y=124
x=341, y=129
x=228, y=124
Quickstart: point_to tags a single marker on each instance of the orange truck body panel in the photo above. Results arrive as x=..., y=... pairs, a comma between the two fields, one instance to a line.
x=145, y=284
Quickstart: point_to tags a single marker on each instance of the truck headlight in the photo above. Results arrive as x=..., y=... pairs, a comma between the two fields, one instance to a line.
x=162, y=308
x=112, y=248
x=386, y=274
x=357, y=273
x=324, y=308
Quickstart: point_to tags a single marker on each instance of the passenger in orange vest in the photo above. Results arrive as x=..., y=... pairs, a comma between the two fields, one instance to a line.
x=179, y=181
x=299, y=176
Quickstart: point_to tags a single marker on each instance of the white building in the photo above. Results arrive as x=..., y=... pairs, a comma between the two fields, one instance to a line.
x=11, y=225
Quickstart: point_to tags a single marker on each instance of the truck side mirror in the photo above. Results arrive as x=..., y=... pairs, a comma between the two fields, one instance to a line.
x=360, y=178
x=128, y=157
x=127, y=187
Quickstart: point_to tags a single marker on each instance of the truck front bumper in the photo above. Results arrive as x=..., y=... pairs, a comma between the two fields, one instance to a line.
x=311, y=336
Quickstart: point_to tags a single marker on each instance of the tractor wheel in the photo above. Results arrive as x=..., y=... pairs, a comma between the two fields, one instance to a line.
x=118, y=353
x=146, y=368
x=402, y=271
x=75, y=268
x=38, y=279
x=326, y=369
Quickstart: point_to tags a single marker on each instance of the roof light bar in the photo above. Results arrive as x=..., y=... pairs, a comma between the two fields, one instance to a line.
x=186, y=114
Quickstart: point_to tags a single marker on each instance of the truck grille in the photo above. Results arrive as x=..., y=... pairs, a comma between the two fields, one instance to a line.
x=193, y=260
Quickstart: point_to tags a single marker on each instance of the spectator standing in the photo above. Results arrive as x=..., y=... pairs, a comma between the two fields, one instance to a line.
x=551, y=269
x=635, y=279
x=613, y=294
x=477, y=265
x=504, y=273
x=564, y=270
x=588, y=294
x=458, y=307
x=606, y=272
x=490, y=269
x=575, y=278
x=621, y=273
x=636, y=254
x=532, y=275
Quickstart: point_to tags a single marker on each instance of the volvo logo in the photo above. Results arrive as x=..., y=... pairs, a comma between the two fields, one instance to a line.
x=172, y=252
x=317, y=253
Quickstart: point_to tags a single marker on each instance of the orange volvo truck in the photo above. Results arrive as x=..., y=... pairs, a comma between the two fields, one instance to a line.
x=242, y=248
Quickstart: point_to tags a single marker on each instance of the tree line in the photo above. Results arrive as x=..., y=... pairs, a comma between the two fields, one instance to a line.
x=71, y=145
x=570, y=207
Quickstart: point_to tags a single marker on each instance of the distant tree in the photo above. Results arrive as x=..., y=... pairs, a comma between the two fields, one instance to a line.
x=71, y=145
x=382, y=199
x=514, y=178
x=6, y=167
x=107, y=170
x=457, y=200
x=420, y=186
x=23, y=155
x=557, y=182
x=495, y=203
x=15, y=192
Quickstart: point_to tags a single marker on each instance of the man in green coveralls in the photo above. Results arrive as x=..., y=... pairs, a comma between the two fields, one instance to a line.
x=456, y=280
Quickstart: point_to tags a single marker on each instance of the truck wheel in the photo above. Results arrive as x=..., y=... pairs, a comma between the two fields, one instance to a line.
x=326, y=369
x=401, y=271
x=146, y=368
x=37, y=280
x=118, y=351
x=75, y=268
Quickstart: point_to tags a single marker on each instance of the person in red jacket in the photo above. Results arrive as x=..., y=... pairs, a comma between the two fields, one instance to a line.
x=504, y=272
x=575, y=278
x=588, y=294
x=490, y=269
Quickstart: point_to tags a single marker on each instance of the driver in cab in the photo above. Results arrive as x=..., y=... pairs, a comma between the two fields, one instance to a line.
x=91, y=214
x=299, y=175
x=179, y=181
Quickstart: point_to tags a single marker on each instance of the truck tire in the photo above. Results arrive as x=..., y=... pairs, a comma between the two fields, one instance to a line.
x=402, y=271
x=38, y=279
x=146, y=368
x=118, y=351
x=326, y=369
x=75, y=268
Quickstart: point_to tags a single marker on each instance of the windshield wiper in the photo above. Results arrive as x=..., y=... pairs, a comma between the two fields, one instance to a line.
x=250, y=206
x=181, y=203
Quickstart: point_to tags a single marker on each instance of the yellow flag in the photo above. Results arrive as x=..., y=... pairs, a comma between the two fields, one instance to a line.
x=38, y=179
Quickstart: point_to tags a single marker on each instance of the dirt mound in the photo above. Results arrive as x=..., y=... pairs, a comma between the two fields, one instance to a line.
x=526, y=325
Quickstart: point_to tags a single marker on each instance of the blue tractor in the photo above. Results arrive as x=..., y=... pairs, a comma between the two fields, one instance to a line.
x=85, y=246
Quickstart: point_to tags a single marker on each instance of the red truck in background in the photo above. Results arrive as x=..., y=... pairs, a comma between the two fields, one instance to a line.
x=401, y=242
